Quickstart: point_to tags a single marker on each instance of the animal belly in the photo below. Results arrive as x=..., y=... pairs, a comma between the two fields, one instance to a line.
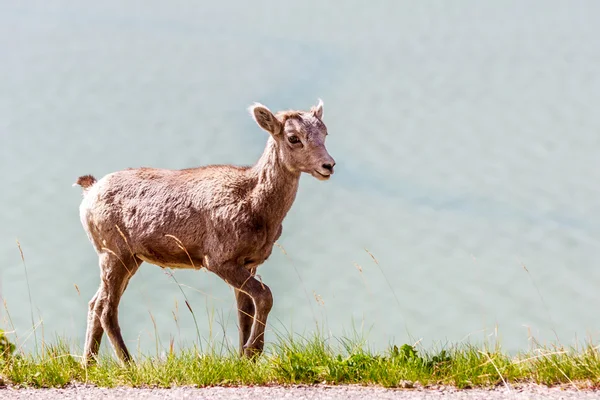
x=168, y=263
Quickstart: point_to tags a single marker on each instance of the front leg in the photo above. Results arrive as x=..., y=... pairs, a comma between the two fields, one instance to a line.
x=242, y=281
x=245, y=309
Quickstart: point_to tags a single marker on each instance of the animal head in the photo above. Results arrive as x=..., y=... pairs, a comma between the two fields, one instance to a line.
x=300, y=138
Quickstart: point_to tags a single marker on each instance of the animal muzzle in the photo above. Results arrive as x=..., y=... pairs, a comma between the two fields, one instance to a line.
x=325, y=170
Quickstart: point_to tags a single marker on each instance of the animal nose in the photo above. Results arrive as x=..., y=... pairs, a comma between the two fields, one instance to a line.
x=328, y=166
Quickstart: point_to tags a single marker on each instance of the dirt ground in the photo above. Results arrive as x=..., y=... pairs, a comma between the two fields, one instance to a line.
x=80, y=391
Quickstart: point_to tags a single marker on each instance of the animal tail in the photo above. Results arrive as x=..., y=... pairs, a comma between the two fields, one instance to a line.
x=86, y=182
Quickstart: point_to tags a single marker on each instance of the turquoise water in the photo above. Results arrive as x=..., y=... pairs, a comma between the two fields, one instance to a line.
x=466, y=138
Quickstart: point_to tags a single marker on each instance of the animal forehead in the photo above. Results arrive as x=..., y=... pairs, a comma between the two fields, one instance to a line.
x=306, y=122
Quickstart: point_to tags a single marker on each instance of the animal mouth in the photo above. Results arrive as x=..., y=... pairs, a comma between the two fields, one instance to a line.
x=320, y=176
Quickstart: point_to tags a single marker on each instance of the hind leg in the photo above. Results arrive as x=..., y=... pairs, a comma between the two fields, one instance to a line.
x=94, y=331
x=115, y=273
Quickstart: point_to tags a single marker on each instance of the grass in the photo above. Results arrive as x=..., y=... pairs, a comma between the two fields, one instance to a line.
x=293, y=359
x=296, y=360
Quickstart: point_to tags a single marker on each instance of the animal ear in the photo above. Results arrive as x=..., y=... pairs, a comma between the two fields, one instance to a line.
x=318, y=110
x=265, y=119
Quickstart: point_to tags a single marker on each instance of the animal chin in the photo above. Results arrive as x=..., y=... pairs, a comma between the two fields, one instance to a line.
x=320, y=176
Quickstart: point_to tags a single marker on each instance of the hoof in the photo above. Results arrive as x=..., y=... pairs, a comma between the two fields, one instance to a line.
x=252, y=352
x=87, y=362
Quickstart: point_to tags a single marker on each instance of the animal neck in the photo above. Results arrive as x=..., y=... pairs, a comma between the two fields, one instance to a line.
x=276, y=185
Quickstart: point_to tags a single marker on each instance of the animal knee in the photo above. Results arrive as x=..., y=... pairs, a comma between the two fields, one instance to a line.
x=96, y=305
x=264, y=300
x=107, y=317
x=92, y=304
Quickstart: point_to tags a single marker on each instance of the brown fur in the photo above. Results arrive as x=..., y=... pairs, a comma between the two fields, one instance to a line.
x=220, y=217
x=85, y=181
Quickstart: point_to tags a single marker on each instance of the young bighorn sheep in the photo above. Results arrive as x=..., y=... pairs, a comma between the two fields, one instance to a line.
x=221, y=217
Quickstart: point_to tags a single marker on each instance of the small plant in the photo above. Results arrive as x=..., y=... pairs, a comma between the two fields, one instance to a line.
x=6, y=347
x=441, y=359
x=405, y=353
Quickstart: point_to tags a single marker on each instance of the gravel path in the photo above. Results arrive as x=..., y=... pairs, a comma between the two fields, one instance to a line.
x=529, y=392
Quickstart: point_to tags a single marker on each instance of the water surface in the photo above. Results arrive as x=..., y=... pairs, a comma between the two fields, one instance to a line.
x=465, y=133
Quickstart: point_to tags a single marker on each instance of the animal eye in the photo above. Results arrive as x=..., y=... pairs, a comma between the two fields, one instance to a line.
x=294, y=139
